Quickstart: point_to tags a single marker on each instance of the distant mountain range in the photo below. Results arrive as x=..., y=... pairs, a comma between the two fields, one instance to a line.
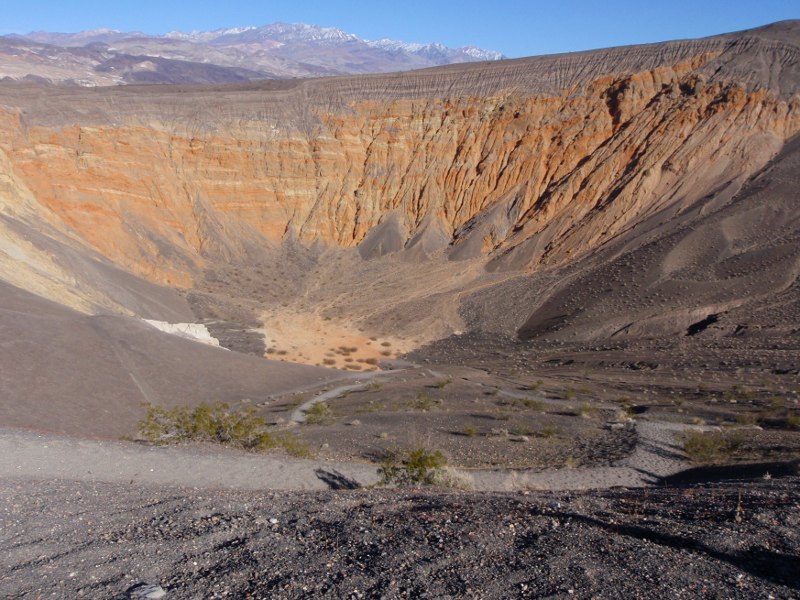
x=279, y=50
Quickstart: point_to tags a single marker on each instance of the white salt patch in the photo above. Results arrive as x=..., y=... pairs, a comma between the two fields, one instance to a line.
x=191, y=331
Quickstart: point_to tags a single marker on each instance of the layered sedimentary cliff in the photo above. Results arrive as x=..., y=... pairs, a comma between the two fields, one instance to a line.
x=529, y=162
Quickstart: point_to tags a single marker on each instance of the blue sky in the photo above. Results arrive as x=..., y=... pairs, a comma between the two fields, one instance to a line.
x=516, y=28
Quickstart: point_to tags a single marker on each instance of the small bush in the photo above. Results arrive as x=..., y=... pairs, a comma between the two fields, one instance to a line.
x=319, y=414
x=777, y=403
x=625, y=413
x=738, y=392
x=587, y=411
x=549, y=431
x=532, y=386
x=702, y=447
x=417, y=466
x=470, y=431
x=522, y=430
x=444, y=382
x=370, y=407
x=422, y=402
x=293, y=446
x=295, y=401
x=216, y=423
x=531, y=404
x=747, y=418
x=793, y=421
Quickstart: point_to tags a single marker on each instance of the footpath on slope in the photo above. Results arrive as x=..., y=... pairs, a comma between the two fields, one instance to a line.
x=46, y=457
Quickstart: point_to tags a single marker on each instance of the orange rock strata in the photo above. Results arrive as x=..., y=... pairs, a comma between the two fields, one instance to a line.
x=566, y=171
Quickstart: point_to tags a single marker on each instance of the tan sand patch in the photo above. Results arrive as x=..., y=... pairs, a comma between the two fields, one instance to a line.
x=308, y=338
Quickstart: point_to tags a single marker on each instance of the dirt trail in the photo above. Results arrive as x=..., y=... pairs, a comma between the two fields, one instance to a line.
x=299, y=414
x=40, y=456
x=656, y=455
x=44, y=457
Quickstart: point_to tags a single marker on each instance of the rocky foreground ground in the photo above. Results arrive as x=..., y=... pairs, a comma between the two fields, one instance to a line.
x=738, y=539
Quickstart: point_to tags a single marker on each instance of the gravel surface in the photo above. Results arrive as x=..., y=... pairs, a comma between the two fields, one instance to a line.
x=61, y=539
x=46, y=456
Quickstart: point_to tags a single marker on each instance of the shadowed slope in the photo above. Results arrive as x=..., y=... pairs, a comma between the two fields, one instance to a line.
x=729, y=266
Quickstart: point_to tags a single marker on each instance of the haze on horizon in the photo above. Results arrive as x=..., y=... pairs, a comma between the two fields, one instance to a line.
x=515, y=28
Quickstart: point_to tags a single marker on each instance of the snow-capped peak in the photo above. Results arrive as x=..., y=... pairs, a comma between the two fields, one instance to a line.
x=434, y=48
x=307, y=33
x=481, y=54
x=207, y=36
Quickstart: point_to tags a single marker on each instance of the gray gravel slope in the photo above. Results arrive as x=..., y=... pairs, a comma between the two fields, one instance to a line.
x=78, y=539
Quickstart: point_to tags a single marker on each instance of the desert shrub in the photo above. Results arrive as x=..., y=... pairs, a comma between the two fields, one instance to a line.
x=777, y=403
x=747, y=418
x=521, y=430
x=470, y=431
x=293, y=446
x=624, y=414
x=738, y=392
x=417, y=466
x=319, y=414
x=370, y=407
x=422, y=402
x=329, y=361
x=701, y=447
x=532, y=386
x=531, y=404
x=444, y=382
x=294, y=401
x=793, y=421
x=587, y=411
x=549, y=431
x=216, y=423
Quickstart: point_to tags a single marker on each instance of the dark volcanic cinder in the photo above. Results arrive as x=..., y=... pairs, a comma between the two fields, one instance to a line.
x=732, y=540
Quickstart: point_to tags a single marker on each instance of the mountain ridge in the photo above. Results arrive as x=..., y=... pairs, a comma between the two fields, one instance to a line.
x=277, y=50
